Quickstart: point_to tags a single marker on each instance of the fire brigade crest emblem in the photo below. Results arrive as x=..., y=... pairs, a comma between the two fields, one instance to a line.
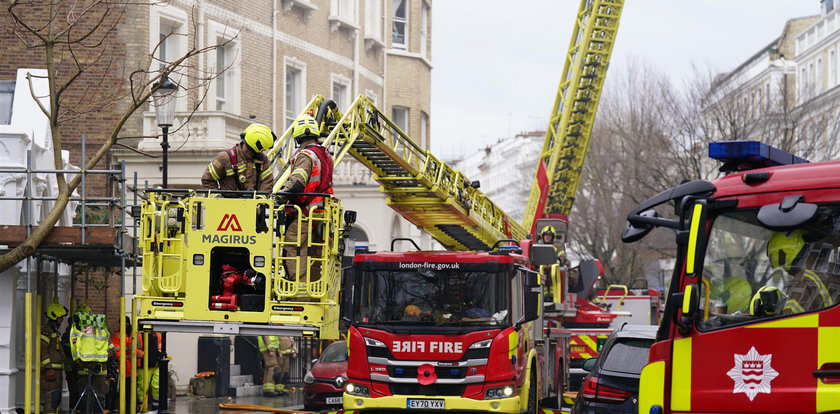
x=752, y=373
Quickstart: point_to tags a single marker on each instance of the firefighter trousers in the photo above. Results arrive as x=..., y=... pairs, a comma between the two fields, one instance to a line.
x=51, y=389
x=299, y=236
x=269, y=370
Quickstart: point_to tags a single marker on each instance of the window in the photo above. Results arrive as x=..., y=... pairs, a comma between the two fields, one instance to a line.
x=399, y=114
x=7, y=95
x=341, y=91
x=344, y=10
x=295, y=89
x=373, y=96
x=818, y=86
x=803, y=81
x=373, y=19
x=424, y=134
x=171, y=41
x=424, y=30
x=399, y=38
x=627, y=356
x=225, y=90
x=832, y=69
x=754, y=274
x=359, y=237
x=167, y=42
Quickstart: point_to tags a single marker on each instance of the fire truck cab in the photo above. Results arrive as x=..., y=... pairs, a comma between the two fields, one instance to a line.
x=751, y=323
x=455, y=331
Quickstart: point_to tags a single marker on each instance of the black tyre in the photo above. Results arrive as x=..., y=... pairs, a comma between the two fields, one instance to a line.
x=532, y=393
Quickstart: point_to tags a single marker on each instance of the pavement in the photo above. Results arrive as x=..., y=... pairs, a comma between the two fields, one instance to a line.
x=191, y=404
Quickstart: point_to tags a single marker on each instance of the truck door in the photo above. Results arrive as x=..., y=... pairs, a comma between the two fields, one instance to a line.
x=764, y=335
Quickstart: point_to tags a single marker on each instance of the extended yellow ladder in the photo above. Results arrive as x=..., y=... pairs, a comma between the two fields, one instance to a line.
x=570, y=125
x=423, y=189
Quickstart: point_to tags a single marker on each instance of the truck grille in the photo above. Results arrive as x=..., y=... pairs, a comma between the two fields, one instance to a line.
x=417, y=389
x=441, y=372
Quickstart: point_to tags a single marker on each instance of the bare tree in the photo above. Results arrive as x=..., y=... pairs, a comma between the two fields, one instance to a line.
x=76, y=41
x=628, y=160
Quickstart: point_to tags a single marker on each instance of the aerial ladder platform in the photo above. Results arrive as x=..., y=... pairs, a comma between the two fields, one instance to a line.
x=182, y=230
x=424, y=190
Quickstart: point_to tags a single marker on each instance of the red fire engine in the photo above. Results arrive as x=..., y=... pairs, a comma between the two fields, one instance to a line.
x=451, y=331
x=751, y=322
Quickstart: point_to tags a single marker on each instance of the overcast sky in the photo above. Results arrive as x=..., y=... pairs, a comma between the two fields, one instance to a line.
x=497, y=63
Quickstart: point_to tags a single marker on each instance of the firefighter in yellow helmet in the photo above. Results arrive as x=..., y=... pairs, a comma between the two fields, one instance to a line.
x=312, y=173
x=547, y=235
x=52, y=357
x=768, y=301
x=789, y=251
x=245, y=165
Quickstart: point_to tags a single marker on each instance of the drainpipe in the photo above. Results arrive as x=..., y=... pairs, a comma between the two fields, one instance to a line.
x=357, y=35
x=201, y=34
x=384, y=105
x=274, y=65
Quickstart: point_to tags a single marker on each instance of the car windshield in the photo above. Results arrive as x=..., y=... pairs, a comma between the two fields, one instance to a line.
x=433, y=297
x=335, y=353
x=752, y=272
x=627, y=356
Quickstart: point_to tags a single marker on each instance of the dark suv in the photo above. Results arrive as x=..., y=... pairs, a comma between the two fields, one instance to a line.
x=612, y=385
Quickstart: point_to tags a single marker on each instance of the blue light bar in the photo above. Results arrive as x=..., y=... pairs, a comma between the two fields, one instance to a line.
x=747, y=155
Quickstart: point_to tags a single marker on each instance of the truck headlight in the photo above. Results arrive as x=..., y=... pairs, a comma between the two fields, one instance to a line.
x=482, y=344
x=498, y=392
x=356, y=389
x=374, y=342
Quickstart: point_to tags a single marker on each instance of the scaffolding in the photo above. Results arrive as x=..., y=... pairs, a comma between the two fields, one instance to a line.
x=83, y=245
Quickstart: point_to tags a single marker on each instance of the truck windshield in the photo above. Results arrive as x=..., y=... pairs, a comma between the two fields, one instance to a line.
x=431, y=297
x=751, y=273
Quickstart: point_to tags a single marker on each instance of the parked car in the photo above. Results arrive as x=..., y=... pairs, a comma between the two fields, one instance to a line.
x=324, y=383
x=612, y=385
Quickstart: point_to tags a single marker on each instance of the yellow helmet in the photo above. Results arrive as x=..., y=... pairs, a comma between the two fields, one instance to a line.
x=258, y=137
x=83, y=308
x=548, y=229
x=55, y=311
x=412, y=310
x=305, y=127
x=768, y=301
x=784, y=248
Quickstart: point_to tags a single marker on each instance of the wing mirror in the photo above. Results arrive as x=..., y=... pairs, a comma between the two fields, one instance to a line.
x=589, y=364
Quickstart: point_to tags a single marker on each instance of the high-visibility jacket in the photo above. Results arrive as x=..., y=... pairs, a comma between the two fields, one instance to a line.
x=238, y=168
x=89, y=337
x=268, y=344
x=52, y=356
x=312, y=166
x=287, y=345
x=115, y=340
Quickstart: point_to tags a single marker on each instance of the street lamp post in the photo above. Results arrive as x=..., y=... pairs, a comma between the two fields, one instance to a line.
x=163, y=95
x=663, y=263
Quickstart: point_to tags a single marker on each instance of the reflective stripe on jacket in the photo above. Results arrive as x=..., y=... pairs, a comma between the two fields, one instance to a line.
x=318, y=179
x=89, y=337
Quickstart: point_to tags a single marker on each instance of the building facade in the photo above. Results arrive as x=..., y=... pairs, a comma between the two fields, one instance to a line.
x=260, y=61
x=275, y=56
x=506, y=170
